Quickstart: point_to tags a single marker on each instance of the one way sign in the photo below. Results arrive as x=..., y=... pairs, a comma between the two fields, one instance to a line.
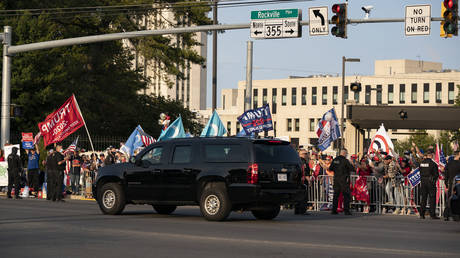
x=319, y=23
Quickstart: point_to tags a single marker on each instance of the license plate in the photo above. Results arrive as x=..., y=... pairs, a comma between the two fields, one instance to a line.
x=282, y=177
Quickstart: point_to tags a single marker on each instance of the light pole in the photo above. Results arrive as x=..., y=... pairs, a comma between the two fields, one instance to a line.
x=342, y=122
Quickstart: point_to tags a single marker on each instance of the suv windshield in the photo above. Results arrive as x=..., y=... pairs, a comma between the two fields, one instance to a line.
x=269, y=153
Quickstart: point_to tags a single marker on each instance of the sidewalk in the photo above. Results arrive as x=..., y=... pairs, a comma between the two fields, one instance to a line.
x=68, y=196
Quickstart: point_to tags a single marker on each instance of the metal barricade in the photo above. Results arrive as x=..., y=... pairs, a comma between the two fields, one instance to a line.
x=383, y=195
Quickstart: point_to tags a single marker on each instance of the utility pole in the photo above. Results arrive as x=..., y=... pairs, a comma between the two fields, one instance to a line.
x=342, y=120
x=6, y=86
x=248, y=95
x=214, y=58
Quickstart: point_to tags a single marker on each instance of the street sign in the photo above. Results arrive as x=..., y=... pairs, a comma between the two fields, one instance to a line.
x=418, y=20
x=319, y=23
x=274, y=24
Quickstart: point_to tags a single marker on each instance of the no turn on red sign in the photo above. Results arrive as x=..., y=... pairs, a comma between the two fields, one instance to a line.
x=418, y=20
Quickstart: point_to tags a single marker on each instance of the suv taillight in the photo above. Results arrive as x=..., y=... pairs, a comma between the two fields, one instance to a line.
x=253, y=174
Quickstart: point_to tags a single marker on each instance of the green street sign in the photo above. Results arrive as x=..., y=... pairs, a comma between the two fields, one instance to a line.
x=275, y=14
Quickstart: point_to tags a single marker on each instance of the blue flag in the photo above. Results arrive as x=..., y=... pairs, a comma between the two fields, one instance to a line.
x=134, y=141
x=215, y=127
x=175, y=130
x=328, y=130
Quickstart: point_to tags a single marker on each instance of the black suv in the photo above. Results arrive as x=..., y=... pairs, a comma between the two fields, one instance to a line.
x=218, y=174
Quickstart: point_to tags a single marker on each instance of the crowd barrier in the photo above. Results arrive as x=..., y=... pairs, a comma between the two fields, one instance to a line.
x=384, y=196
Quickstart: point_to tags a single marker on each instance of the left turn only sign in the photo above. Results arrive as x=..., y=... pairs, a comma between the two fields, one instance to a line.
x=319, y=23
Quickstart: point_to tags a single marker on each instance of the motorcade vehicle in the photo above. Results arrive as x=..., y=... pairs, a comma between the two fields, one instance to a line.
x=220, y=174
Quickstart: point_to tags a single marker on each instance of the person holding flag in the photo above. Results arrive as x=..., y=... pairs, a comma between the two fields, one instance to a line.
x=33, y=173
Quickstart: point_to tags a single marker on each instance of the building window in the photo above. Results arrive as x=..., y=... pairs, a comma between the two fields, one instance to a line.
x=289, y=125
x=238, y=127
x=223, y=102
x=312, y=125
x=438, y=92
x=283, y=96
x=294, y=96
x=402, y=93
x=264, y=97
x=324, y=96
x=304, y=96
x=335, y=93
x=297, y=125
x=451, y=97
x=426, y=93
x=313, y=95
x=356, y=97
x=390, y=93
x=255, y=97
x=379, y=94
x=229, y=128
x=367, y=99
x=346, y=94
x=414, y=93
x=274, y=101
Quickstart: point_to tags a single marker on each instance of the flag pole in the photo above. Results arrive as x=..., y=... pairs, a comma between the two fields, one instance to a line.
x=87, y=131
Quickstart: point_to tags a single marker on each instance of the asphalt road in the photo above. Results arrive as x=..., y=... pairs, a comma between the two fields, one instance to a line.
x=37, y=228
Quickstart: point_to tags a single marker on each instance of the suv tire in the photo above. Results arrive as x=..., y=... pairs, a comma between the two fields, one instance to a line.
x=164, y=209
x=214, y=202
x=267, y=214
x=111, y=199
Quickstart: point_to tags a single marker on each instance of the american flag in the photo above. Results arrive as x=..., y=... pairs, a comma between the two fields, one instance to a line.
x=72, y=147
x=37, y=137
x=68, y=166
x=146, y=139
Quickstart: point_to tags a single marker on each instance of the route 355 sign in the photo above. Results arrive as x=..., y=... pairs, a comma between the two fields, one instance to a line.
x=274, y=24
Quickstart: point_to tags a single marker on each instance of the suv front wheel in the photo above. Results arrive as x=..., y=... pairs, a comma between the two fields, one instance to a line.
x=214, y=202
x=111, y=199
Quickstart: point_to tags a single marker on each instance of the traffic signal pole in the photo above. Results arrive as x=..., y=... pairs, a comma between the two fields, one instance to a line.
x=9, y=50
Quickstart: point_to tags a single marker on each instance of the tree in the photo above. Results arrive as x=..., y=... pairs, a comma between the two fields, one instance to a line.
x=424, y=141
x=101, y=75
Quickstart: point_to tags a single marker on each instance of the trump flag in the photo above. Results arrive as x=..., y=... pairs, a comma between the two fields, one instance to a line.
x=327, y=130
x=62, y=122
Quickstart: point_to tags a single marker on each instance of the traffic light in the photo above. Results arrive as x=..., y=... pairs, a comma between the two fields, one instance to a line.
x=340, y=20
x=15, y=110
x=449, y=11
x=355, y=86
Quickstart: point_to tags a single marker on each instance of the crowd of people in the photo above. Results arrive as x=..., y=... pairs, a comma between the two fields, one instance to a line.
x=63, y=171
x=375, y=177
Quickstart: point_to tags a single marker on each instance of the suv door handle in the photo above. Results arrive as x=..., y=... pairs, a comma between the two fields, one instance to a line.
x=156, y=171
x=188, y=170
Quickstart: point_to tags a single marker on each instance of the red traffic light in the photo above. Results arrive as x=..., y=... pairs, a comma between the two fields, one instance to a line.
x=338, y=8
x=449, y=4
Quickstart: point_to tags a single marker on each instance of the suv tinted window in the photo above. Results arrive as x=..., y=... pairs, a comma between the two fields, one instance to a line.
x=267, y=153
x=182, y=155
x=225, y=153
x=153, y=156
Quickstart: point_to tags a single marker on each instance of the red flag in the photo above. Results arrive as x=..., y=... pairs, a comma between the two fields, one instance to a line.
x=62, y=122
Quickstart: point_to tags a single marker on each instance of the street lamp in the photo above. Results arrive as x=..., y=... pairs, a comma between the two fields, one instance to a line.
x=342, y=122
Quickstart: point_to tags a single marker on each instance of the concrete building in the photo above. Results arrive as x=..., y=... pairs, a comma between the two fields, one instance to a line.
x=192, y=90
x=298, y=103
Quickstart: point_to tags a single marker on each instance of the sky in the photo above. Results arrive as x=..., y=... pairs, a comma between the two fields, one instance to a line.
x=280, y=58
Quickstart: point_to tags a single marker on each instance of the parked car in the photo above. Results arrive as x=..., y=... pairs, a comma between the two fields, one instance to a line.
x=221, y=175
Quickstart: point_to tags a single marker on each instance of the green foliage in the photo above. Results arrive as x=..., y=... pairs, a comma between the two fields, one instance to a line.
x=101, y=75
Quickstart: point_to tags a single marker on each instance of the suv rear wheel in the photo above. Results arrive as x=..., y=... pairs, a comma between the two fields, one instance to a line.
x=164, y=209
x=267, y=214
x=111, y=199
x=214, y=202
